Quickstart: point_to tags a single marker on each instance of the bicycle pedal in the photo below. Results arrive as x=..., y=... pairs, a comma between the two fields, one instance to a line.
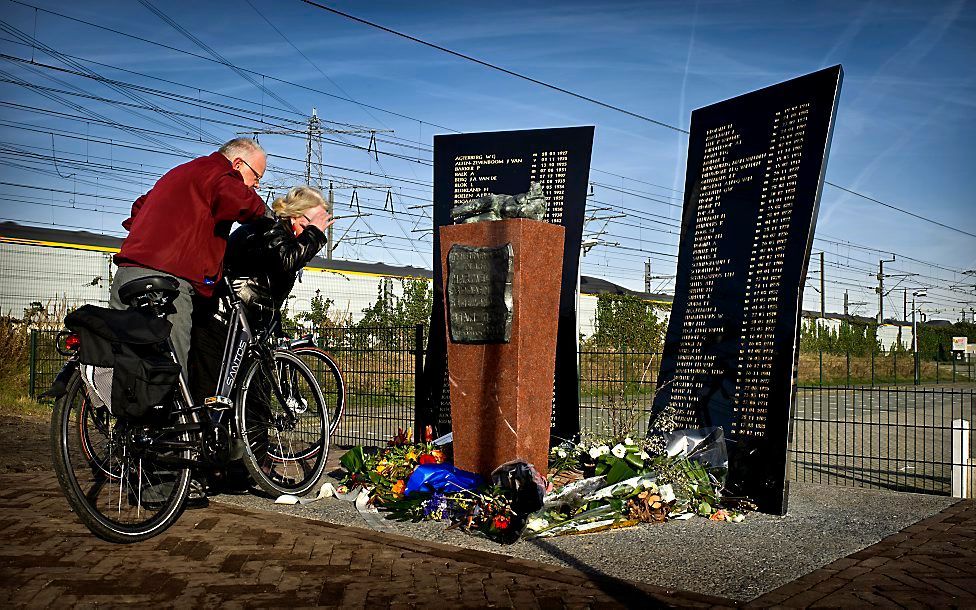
x=218, y=403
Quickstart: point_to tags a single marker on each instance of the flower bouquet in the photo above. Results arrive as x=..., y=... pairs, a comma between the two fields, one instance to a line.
x=630, y=482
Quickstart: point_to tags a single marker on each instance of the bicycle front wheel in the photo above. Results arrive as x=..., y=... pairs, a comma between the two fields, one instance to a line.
x=285, y=433
x=329, y=377
x=125, y=481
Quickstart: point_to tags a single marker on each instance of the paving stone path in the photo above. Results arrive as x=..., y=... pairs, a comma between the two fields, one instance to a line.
x=226, y=556
x=231, y=557
x=930, y=564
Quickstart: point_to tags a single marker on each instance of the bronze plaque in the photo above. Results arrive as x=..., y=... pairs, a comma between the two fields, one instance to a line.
x=479, y=294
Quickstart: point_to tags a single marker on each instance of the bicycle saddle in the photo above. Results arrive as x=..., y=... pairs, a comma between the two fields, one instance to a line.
x=167, y=286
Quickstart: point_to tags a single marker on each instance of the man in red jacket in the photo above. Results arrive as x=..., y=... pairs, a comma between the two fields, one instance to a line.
x=180, y=227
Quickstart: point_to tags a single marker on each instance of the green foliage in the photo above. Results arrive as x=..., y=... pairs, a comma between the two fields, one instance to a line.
x=322, y=314
x=624, y=320
x=392, y=387
x=414, y=307
x=848, y=338
x=935, y=342
x=353, y=460
x=388, y=312
x=323, y=318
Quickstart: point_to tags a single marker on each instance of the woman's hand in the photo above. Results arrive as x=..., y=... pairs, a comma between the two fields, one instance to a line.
x=319, y=217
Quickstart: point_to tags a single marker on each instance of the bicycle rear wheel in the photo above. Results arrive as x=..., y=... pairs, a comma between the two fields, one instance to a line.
x=329, y=377
x=285, y=445
x=126, y=482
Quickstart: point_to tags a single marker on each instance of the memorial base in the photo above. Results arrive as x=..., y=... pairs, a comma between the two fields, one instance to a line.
x=501, y=393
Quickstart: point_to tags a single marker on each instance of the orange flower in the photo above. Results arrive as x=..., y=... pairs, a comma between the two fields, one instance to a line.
x=399, y=486
x=438, y=455
x=720, y=515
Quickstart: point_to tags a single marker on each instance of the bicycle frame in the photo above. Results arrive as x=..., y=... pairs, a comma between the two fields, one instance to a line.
x=241, y=343
x=239, y=338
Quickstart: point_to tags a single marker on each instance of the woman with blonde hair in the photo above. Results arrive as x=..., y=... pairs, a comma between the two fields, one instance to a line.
x=262, y=261
x=274, y=250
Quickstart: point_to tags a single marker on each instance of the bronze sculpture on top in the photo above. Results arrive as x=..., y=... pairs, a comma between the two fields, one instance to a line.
x=530, y=205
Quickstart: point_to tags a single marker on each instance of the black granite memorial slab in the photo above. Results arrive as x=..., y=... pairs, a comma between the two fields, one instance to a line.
x=752, y=188
x=472, y=165
x=479, y=293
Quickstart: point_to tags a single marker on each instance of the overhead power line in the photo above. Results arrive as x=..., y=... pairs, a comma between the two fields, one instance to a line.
x=630, y=192
x=487, y=64
x=496, y=67
x=888, y=205
x=211, y=59
x=585, y=98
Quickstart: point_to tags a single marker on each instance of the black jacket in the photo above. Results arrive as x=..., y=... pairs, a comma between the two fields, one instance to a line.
x=267, y=252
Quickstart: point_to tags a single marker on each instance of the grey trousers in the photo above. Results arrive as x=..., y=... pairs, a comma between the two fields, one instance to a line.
x=181, y=320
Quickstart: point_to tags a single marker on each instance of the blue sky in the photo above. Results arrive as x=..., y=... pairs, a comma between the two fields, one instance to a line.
x=904, y=134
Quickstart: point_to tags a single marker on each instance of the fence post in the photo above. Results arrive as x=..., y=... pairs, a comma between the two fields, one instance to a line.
x=895, y=367
x=623, y=390
x=821, y=365
x=872, y=367
x=418, y=370
x=960, y=458
x=848, y=368
x=32, y=363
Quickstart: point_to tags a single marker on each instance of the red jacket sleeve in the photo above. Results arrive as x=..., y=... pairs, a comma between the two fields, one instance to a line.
x=235, y=201
x=127, y=223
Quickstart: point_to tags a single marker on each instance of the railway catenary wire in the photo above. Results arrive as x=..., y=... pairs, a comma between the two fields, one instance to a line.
x=595, y=170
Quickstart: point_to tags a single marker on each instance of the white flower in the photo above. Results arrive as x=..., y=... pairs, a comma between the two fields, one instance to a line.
x=595, y=452
x=536, y=523
x=561, y=453
x=667, y=493
x=619, y=450
x=738, y=518
x=644, y=456
x=628, y=441
x=603, y=449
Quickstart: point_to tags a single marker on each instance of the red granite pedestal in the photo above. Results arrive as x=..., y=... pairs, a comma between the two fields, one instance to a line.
x=501, y=393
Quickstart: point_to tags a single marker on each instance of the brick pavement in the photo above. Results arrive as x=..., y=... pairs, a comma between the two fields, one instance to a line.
x=227, y=556
x=929, y=564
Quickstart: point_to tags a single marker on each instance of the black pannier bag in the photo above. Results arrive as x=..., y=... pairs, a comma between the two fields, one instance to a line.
x=126, y=363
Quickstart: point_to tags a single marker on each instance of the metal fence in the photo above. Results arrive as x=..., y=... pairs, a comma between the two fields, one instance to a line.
x=379, y=365
x=616, y=390
x=894, y=437
x=888, y=436
x=898, y=438
x=881, y=368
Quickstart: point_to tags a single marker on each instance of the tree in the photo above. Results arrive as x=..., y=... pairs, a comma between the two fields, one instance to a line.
x=625, y=320
x=383, y=319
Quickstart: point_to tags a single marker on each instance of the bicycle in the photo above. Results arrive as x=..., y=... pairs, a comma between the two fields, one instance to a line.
x=327, y=373
x=128, y=479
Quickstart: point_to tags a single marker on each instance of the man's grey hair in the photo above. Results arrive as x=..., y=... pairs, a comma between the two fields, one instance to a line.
x=240, y=147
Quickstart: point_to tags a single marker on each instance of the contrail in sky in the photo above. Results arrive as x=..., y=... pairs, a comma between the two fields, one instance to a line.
x=679, y=158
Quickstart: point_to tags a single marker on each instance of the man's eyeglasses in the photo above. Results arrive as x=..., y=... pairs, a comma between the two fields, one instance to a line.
x=257, y=176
